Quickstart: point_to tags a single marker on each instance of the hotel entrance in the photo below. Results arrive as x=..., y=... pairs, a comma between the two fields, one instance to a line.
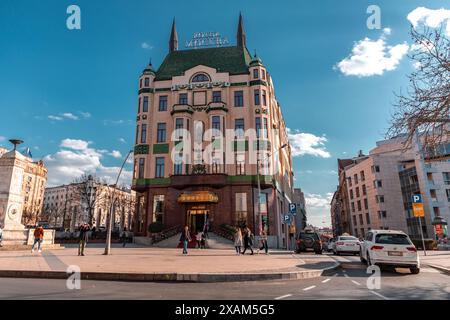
x=196, y=219
x=199, y=206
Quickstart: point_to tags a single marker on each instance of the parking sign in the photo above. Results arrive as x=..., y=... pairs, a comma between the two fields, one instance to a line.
x=417, y=198
x=293, y=208
x=417, y=205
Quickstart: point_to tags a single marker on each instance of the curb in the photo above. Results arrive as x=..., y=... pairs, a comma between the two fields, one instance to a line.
x=172, y=277
x=437, y=267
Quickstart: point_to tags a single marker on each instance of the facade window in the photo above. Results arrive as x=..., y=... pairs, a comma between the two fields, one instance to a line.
x=380, y=199
x=162, y=103
x=240, y=216
x=139, y=105
x=255, y=73
x=355, y=177
x=266, y=129
x=158, y=209
x=145, y=106
x=353, y=207
x=239, y=128
x=258, y=127
x=357, y=192
x=161, y=133
x=377, y=184
x=375, y=169
x=144, y=133
x=137, y=134
x=183, y=98
x=359, y=205
x=447, y=191
x=257, y=100
x=446, y=176
x=159, y=168
x=363, y=177
x=179, y=123
x=215, y=123
x=351, y=194
x=147, y=82
x=239, y=98
x=240, y=164
x=217, y=96
x=361, y=221
x=354, y=221
x=141, y=170
x=200, y=78
x=367, y=218
x=364, y=190
x=140, y=83
x=349, y=179
x=382, y=214
x=264, y=96
x=178, y=168
x=366, y=204
x=263, y=72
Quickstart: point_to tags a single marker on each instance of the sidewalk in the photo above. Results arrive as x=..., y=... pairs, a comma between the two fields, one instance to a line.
x=436, y=259
x=156, y=264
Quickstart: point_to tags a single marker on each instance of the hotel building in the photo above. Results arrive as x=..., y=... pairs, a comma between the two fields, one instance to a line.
x=215, y=179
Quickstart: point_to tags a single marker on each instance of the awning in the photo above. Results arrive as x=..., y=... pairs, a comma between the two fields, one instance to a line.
x=198, y=196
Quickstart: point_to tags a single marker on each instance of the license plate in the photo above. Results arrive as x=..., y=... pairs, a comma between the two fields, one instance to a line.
x=350, y=244
x=395, y=253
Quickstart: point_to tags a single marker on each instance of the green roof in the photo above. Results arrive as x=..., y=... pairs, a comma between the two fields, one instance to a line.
x=234, y=60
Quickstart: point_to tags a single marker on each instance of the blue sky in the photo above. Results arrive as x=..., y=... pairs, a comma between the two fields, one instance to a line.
x=72, y=94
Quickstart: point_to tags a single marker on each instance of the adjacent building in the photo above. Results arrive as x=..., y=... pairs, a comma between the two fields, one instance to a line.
x=89, y=201
x=380, y=187
x=210, y=131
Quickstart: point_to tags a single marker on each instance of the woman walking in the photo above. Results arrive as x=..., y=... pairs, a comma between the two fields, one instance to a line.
x=185, y=238
x=248, y=241
x=264, y=242
x=238, y=241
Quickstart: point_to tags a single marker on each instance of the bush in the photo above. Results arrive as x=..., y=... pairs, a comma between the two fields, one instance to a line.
x=156, y=227
x=430, y=244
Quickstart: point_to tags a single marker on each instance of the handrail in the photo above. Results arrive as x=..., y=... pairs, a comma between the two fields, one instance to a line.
x=165, y=234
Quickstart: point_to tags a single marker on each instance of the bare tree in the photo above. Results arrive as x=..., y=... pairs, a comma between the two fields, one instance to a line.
x=425, y=108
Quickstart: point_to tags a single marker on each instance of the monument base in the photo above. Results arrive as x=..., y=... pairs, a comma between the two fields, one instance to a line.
x=14, y=237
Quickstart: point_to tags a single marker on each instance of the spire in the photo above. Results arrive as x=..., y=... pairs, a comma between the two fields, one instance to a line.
x=241, y=41
x=173, y=43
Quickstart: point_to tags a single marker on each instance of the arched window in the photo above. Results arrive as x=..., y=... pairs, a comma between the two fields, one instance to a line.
x=201, y=77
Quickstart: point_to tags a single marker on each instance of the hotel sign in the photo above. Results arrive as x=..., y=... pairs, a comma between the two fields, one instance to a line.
x=207, y=39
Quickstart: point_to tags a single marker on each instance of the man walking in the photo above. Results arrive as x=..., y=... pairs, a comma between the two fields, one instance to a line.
x=38, y=238
x=185, y=238
x=1, y=236
x=83, y=238
x=248, y=241
x=264, y=241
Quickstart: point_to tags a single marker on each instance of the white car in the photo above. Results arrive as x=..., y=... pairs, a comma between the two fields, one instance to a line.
x=346, y=244
x=330, y=246
x=390, y=248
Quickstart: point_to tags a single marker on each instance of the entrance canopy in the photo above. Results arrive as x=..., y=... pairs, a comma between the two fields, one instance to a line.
x=198, y=196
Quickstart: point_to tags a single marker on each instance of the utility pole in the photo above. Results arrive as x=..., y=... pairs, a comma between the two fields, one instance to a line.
x=111, y=217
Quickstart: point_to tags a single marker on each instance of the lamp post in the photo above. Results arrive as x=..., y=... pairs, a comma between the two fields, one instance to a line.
x=259, y=187
x=109, y=228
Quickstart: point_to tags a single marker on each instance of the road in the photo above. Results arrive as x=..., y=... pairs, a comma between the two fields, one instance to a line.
x=349, y=282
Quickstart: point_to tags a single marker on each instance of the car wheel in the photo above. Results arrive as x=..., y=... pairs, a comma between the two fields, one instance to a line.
x=414, y=270
x=336, y=253
x=318, y=252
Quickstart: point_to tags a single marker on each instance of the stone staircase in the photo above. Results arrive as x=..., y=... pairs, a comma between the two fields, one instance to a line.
x=213, y=242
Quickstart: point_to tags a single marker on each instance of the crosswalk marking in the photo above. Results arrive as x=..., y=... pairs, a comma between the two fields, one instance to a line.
x=282, y=297
x=309, y=288
x=326, y=280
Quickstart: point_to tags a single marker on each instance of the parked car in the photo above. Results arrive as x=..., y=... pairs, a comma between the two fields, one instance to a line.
x=346, y=244
x=309, y=240
x=390, y=248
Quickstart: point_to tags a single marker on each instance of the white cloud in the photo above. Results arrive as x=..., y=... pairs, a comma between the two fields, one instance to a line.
x=55, y=118
x=76, y=158
x=145, y=45
x=122, y=140
x=115, y=154
x=85, y=115
x=430, y=18
x=70, y=116
x=2, y=138
x=373, y=57
x=307, y=144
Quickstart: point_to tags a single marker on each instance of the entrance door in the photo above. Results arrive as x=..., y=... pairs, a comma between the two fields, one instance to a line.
x=196, y=219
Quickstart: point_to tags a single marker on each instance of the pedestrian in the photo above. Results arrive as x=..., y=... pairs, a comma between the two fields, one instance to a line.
x=38, y=238
x=206, y=228
x=185, y=238
x=203, y=241
x=124, y=237
x=263, y=240
x=248, y=240
x=238, y=241
x=198, y=238
x=83, y=238
x=1, y=236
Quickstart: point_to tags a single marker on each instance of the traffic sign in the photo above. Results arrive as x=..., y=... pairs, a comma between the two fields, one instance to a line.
x=293, y=208
x=417, y=206
x=287, y=219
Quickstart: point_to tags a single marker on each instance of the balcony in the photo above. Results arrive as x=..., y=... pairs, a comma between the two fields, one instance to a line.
x=179, y=108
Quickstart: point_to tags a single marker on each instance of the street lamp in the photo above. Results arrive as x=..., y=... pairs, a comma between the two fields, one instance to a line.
x=108, y=234
x=259, y=186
